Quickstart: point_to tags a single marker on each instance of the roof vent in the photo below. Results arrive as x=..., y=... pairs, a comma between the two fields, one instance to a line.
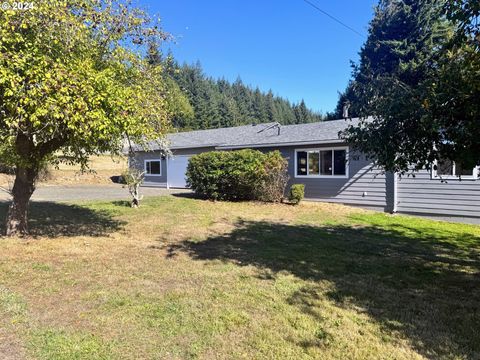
x=272, y=126
x=346, y=106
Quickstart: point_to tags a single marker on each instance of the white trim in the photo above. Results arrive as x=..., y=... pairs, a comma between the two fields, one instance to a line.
x=395, y=192
x=166, y=160
x=150, y=160
x=280, y=144
x=346, y=176
x=435, y=176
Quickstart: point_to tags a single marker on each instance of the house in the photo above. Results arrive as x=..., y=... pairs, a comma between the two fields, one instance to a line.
x=329, y=168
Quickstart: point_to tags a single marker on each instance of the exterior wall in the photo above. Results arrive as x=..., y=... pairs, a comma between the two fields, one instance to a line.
x=141, y=156
x=423, y=195
x=365, y=186
x=139, y=163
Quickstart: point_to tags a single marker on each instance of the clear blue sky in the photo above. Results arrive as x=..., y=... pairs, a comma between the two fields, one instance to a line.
x=285, y=45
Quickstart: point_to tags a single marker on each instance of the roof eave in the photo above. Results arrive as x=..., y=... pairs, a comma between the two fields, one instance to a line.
x=292, y=143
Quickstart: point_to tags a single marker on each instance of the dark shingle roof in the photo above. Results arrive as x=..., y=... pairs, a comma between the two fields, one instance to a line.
x=260, y=135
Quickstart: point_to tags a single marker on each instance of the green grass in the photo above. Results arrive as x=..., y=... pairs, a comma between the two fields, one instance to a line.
x=184, y=279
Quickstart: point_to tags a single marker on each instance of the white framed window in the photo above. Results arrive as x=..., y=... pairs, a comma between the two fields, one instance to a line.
x=322, y=162
x=153, y=167
x=449, y=170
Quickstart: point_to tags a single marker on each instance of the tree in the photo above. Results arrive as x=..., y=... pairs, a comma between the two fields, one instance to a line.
x=73, y=82
x=421, y=86
x=219, y=103
x=133, y=178
x=302, y=114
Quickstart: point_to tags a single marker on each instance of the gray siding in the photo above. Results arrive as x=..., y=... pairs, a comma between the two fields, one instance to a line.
x=423, y=195
x=139, y=163
x=365, y=186
x=141, y=156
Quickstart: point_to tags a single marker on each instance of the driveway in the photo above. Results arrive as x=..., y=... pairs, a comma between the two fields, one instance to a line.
x=68, y=193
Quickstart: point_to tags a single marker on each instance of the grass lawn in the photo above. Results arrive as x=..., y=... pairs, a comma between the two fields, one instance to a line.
x=183, y=278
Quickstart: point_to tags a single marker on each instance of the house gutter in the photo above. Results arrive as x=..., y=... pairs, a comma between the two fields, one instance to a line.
x=312, y=142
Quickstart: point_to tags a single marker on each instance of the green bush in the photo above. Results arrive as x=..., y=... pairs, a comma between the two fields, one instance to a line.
x=236, y=175
x=297, y=193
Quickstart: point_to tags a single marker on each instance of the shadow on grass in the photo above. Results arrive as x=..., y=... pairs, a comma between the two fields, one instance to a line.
x=56, y=219
x=421, y=282
x=189, y=195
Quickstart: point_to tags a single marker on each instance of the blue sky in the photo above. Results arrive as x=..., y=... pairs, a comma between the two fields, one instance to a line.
x=286, y=46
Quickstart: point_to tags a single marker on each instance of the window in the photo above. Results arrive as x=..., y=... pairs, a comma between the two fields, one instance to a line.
x=302, y=163
x=313, y=163
x=153, y=168
x=321, y=162
x=450, y=169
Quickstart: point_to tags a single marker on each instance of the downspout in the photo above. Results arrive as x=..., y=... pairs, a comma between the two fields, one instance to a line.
x=395, y=192
x=166, y=170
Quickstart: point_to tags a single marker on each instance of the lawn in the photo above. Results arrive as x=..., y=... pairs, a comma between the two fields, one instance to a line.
x=182, y=278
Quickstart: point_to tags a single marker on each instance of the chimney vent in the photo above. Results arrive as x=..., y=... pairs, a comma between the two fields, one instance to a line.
x=346, y=106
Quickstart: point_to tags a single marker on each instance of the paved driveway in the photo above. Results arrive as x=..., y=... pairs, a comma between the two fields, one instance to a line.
x=90, y=192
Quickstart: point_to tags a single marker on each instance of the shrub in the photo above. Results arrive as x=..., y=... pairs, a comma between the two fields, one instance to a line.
x=235, y=175
x=275, y=178
x=297, y=193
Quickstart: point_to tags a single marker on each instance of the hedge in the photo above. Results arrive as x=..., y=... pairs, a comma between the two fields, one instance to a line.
x=238, y=175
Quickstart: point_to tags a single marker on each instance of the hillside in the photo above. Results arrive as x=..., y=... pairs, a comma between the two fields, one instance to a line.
x=219, y=103
x=102, y=168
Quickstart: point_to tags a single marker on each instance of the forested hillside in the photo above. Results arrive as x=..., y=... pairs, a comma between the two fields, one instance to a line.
x=220, y=103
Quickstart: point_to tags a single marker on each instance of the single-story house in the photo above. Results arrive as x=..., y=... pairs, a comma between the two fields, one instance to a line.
x=329, y=168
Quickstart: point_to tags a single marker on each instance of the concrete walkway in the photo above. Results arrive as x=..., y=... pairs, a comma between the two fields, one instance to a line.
x=67, y=193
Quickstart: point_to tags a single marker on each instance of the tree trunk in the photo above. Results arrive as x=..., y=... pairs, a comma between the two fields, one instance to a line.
x=23, y=187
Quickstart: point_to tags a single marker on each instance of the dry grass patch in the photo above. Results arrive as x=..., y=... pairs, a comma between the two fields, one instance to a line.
x=183, y=278
x=102, y=168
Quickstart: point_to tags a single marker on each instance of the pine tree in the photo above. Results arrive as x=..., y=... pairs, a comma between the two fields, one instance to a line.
x=219, y=103
x=405, y=81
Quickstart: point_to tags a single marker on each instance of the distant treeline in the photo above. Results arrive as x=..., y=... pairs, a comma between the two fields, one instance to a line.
x=219, y=103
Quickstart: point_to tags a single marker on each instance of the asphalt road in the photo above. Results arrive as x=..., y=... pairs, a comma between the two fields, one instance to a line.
x=67, y=193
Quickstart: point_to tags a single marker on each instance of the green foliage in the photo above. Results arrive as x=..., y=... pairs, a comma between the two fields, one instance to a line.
x=219, y=103
x=237, y=175
x=297, y=193
x=466, y=14
x=421, y=84
x=71, y=80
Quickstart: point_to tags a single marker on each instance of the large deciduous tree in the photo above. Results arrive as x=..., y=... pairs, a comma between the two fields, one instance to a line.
x=73, y=82
x=419, y=77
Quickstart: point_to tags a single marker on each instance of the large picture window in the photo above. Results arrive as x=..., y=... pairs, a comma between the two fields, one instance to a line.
x=321, y=162
x=153, y=168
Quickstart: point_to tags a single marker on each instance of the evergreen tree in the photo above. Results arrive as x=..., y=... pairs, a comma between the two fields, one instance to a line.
x=219, y=103
x=420, y=86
